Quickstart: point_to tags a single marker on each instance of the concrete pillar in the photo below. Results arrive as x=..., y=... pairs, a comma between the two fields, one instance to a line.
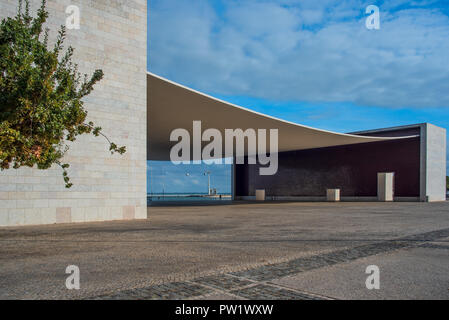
x=260, y=195
x=433, y=163
x=233, y=179
x=333, y=195
x=385, y=186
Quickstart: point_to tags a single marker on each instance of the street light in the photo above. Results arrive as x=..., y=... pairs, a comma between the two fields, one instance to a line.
x=207, y=173
x=208, y=182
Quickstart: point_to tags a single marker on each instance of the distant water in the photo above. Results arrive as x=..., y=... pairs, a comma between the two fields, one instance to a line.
x=186, y=197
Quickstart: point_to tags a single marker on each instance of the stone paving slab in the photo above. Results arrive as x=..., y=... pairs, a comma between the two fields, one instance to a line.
x=269, y=292
x=310, y=263
x=416, y=273
x=252, y=284
x=435, y=246
x=218, y=296
x=223, y=281
x=169, y=291
x=260, y=243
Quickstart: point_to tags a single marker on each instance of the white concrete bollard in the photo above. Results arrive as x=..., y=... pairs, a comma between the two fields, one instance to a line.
x=260, y=195
x=385, y=186
x=333, y=195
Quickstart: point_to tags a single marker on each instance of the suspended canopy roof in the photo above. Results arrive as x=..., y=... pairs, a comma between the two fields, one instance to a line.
x=171, y=106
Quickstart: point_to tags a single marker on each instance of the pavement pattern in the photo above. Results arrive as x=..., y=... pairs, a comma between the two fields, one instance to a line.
x=299, y=251
x=255, y=283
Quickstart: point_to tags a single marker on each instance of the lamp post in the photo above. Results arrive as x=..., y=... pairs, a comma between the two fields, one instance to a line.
x=151, y=181
x=207, y=173
x=163, y=184
x=208, y=182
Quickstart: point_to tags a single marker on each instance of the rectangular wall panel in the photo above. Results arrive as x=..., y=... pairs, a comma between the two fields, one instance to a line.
x=353, y=169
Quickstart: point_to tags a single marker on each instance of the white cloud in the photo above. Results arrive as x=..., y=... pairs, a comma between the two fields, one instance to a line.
x=316, y=51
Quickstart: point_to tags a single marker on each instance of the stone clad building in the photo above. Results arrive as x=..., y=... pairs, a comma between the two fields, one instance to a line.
x=112, y=37
x=139, y=110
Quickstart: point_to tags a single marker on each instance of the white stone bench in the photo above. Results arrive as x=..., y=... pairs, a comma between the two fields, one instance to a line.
x=260, y=195
x=333, y=195
x=385, y=186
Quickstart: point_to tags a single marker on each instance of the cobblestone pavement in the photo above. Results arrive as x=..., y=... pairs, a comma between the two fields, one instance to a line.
x=169, y=291
x=239, y=251
x=435, y=246
x=254, y=283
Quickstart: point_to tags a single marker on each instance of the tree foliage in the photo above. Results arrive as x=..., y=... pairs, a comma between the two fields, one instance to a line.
x=41, y=92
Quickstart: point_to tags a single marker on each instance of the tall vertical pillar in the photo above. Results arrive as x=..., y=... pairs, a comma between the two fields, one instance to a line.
x=385, y=186
x=433, y=163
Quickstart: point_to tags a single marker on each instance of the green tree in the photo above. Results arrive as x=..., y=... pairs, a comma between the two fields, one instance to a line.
x=447, y=183
x=41, y=92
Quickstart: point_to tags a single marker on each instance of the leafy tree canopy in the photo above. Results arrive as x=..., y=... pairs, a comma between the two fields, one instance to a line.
x=41, y=92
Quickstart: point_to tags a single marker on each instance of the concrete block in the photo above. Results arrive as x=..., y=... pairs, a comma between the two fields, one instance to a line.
x=104, y=214
x=63, y=215
x=141, y=212
x=16, y=217
x=48, y=215
x=129, y=213
x=91, y=214
x=8, y=204
x=333, y=195
x=40, y=203
x=260, y=195
x=385, y=186
x=116, y=213
x=4, y=218
x=78, y=215
x=33, y=217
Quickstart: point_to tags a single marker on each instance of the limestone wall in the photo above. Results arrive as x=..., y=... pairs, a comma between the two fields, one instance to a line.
x=112, y=37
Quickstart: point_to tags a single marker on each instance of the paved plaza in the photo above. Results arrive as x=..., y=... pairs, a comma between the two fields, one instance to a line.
x=237, y=251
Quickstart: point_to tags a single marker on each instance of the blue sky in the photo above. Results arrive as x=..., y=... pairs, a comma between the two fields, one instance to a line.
x=311, y=62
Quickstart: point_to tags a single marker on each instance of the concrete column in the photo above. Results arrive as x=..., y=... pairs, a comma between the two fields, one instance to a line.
x=260, y=195
x=233, y=179
x=333, y=195
x=433, y=163
x=385, y=186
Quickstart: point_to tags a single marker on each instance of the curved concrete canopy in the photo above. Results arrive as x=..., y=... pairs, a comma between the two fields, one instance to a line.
x=171, y=106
